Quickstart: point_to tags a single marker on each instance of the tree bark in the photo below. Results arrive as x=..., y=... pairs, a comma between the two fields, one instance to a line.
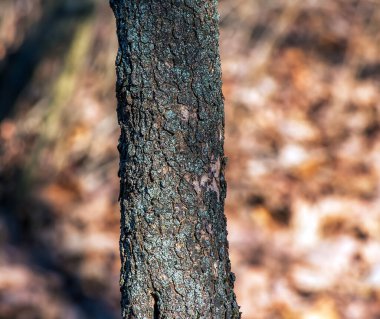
x=173, y=241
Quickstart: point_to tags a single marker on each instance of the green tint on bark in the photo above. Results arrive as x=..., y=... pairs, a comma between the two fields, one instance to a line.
x=173, y=242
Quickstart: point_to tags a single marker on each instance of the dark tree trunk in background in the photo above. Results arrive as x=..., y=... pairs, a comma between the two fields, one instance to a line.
x=173, y=241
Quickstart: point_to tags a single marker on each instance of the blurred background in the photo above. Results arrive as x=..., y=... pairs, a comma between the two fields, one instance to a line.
x=302, y=100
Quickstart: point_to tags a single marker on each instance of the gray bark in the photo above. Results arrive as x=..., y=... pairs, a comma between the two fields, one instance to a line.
x=173, y=242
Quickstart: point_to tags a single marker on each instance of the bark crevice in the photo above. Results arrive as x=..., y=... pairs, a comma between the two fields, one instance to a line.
x=156, y=307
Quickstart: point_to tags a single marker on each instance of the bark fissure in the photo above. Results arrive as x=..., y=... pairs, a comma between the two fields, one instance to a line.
x=156, y=309
x=173, y=242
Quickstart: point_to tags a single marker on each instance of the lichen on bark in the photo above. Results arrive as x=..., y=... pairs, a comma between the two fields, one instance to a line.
x=173, y=241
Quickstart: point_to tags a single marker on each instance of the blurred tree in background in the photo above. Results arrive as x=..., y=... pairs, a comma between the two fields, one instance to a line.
x=58, y=161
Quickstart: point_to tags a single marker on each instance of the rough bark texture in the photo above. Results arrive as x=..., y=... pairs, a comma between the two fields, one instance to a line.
x=173, y=241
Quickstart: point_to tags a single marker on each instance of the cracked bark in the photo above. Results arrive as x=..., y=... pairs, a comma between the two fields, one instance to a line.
x=173, y=241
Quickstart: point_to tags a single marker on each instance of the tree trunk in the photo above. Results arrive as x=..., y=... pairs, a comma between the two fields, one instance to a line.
x=173, y=242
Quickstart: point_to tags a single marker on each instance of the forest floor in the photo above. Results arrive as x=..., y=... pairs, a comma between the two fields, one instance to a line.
x=302, y=102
